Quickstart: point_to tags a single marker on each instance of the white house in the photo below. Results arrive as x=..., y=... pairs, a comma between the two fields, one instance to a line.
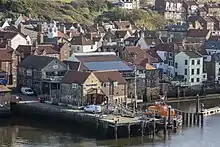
x=81, y=44
x=129, y=4
x=14, y=39
x=189, y=65
x=52, y=30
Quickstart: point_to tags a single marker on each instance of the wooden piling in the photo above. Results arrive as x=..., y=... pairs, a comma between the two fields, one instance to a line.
x=129, y=130
x=194, y=118
x=202, y=119
x=116, y=130
x=187, y=119
x=183, y=117
x=190, y=119
x=197, y=116
x=142, y=128
x=169, y=117
x=165, y=128
x=174, y=125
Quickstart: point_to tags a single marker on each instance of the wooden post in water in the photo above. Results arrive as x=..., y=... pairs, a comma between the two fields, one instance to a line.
x=129, y=130
x=183, y=117
x=169, y=117
x=202, y=119
x=116, y=130
x=154, y=125
x=190, y=119
x=165, y=128
x=142, y=128
x=187, y=119
x=194, y=118
x=197, y=108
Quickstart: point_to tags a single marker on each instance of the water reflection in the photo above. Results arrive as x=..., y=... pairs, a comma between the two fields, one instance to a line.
x=26, y=136
x=20, y=132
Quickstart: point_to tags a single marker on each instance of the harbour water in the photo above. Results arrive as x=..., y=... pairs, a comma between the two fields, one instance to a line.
x=19, y=132
x=23, y=132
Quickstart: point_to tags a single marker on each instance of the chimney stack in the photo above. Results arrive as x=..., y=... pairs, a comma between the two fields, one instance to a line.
x=40, y=38
x=63, y=28
x=21, y=28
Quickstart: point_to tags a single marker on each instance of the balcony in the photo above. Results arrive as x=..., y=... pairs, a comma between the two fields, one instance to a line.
x=53, y=78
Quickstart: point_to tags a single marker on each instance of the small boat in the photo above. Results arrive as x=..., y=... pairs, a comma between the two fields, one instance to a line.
x=160, y=109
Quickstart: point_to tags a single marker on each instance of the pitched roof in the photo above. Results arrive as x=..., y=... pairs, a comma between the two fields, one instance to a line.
x=98, y=58
x=4, y=89
x=80, y=40
x=193, y=54
x=5, y=52
x=40, y=49
x=36, y=62
x=7, y=34
x=197, y=33
x=105, y=76
x=72, y=65
x=154, y=54
x=120, y=33
x=212, y=45
x=140, y=54
x=122, y=24
x=78, y=77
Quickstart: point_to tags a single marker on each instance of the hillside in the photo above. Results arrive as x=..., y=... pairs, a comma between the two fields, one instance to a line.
x=83, y=11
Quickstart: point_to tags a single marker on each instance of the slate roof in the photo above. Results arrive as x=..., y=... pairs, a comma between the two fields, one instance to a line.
x=212, y=45
x=215, y=57
x=108, y=66
x=193, y=54
x=105, y=76
x=120, y=33
x=47, y=48
x=72, y=65
x=197, y=33
x=36, y=62
x=7, y=35
x=78, y=77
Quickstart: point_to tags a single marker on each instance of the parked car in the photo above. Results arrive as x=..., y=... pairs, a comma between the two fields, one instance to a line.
x=27, y=91
x=93, y=109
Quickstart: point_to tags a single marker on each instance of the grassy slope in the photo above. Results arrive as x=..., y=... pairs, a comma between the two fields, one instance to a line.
x=86, y=12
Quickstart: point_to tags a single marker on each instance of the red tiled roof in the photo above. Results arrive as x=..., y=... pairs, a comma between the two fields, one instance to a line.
x=81, y=40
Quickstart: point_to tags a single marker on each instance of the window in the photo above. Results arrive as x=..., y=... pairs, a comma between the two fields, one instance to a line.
x=198, y=62
x=193, y=62
x=91, y=46
x=197, y=80
x=192, y=80
x=77, y=48
x=219, y=63
x=192, y=71
x=219, y=70
x=186, y=62
x=185, y=71
x=170, y=55
x=198, y=71
x=176, y=65
x=169, y=63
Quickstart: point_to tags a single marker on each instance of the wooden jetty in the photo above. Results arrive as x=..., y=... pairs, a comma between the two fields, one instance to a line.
x=107, y=126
